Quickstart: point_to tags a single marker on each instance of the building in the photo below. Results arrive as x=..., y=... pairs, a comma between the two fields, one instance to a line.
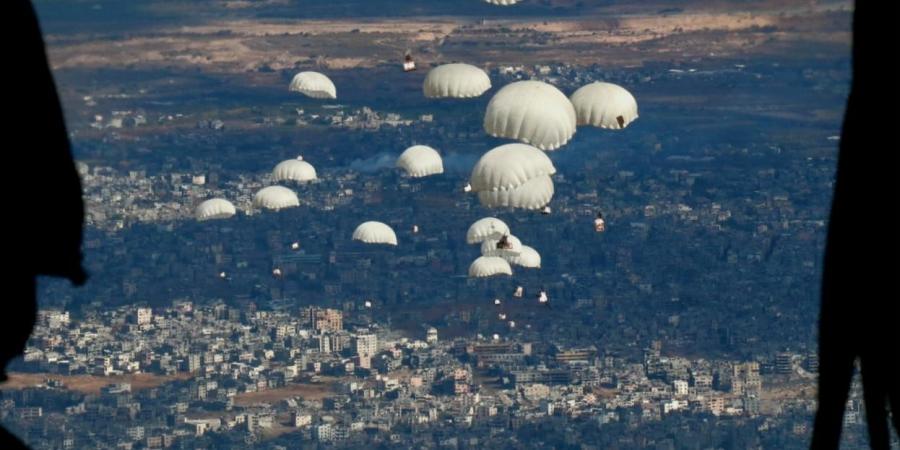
x=144, y=316
x=812, y=362
x=680, y=387
x=783, y=363
x=745, y=378
x=300, y=419
x=575, y=355
x=431, y=336
x=324, y=433
x=325, y=319
x=366, y=344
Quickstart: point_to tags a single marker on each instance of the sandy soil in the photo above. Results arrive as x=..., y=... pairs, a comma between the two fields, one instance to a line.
x=89, y=384
x=316, y=391
x=240, y=46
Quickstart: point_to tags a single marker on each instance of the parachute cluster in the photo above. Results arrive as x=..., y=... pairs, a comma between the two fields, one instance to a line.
x=497, y=243
x=274, y=198
x=518, y=175
x=513, y=176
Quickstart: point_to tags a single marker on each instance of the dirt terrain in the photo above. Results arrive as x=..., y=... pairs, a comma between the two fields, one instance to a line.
x=316, y=391
x=633, y=37
x=89, y=384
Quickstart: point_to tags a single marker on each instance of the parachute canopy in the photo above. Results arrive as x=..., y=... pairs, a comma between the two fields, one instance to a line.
x=215, y=208
x=533, y=195
x=275, y=198
x=420, y=161
x=486, y=228
x=488, y=266
x=533, y=112
x=294, y=170
x=527, y=257
x=502, y=2
x=509, y=166
x=313, y=84
x=489, y=247
x=604, y=105
x=455, y=80
x=375, y=233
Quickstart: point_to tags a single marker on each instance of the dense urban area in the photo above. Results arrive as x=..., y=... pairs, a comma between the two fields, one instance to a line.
x=690, y=323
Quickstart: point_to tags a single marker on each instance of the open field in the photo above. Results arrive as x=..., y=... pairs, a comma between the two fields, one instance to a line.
x=307, y=391
x=90, y=384
x=246, y=45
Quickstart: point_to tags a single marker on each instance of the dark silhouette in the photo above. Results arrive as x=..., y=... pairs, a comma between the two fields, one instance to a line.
x=44, y=235
x=859, y=316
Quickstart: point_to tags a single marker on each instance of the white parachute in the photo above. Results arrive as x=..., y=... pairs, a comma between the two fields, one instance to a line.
x=502, y=2
x=533, y=112
x=313, y=84
x=420, y=161
x=455, y=80
x=533, y=195
x=527, y=257
x=513, y=176
x=375, y=233
x=294, y=170
x=488, y=266
x=604, y=105
x=215, y=208
x=489, y=247
x=486, y=228
x=509, y=166
x=275, y=198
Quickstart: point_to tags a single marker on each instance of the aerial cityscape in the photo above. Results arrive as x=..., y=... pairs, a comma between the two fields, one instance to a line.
x=299, y=234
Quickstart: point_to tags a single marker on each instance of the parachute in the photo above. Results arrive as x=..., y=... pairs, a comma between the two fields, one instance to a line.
x=533, y=112
x=294, y=170
x=509, y=166
x=534, y=194
x=375, y=233
x=275, y=198
x=216, y=208
x=489, y=247
x=486, y=228
x=599, y=223
x=527, y=257
x=604, y=105
x=488, y=266
x=455, y=80
x=420, y=161
x=313, y=84
x=502, y=2
x=408, y=63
